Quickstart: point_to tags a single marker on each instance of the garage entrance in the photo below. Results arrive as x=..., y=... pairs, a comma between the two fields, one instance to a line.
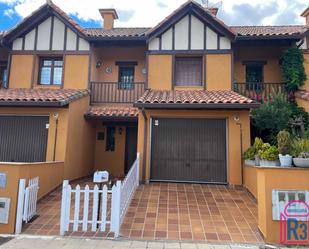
x=188, y=150
x=23, y=138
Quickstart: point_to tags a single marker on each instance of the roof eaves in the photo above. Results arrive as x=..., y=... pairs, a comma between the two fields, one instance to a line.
x=197, y=105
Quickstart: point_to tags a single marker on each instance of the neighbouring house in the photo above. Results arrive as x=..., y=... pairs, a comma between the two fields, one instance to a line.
x=76, y=100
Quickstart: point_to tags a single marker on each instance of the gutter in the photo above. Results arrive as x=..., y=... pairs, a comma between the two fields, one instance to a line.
x=32, y=104
x=144, y=146
x=196, y=106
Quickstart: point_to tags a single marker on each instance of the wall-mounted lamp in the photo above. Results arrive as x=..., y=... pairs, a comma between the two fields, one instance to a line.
x=120, y=130
x=99, y=64
x=56, y=115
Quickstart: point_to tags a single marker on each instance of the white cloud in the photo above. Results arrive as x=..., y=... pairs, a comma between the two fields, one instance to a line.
x=147, y=13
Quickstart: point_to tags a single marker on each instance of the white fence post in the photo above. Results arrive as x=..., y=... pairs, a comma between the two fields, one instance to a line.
x=116, y=207
x=63, y=217
x=20, y=206
x=137, y=171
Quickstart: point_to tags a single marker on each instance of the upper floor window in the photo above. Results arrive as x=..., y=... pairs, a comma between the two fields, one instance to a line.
x=126, y=77
x=254, y=73
x=50, y=71
x=3, y=74
x=188, y=71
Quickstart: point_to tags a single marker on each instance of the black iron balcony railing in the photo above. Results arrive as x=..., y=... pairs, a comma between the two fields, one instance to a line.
x=116, y=92
x=259, y=91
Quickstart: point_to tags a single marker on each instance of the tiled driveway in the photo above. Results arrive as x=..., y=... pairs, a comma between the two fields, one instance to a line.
x=192, y=212
x=170, y=211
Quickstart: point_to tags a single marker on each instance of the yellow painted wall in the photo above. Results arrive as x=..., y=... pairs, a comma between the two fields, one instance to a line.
x=21, y=71
x=160, y=72
x=276, y=178
x=250, y=179
x=233, y=134
x=80, y=142
x=112, y=161
x=218, y=71
x=272, y=70
x=50, y=176
x=76, y=71
x=306, y=65
x=303, y=103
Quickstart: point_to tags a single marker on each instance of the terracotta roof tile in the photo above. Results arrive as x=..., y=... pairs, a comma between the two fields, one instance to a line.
x=302, y=95
x=44, y=97
x=112, y=111
x=285, y=30
x=194, y=98
x=115, y=32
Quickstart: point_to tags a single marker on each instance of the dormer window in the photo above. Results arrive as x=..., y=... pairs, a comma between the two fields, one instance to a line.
x=50, y=71
x=188, y=71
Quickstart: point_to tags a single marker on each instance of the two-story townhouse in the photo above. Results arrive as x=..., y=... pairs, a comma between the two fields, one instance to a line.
x=83, y=99
x=166, y=92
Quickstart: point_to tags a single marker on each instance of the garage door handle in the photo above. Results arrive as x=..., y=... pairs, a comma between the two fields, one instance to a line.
x=188, y=165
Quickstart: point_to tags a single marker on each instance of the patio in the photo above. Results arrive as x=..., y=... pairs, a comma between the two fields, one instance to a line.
x=169, y=211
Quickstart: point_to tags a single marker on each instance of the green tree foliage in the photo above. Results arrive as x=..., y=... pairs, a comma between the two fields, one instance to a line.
x=293, y=69
x=277, y=115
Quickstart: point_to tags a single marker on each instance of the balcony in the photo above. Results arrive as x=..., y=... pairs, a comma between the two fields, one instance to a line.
x=116, y=92
x=259, y=91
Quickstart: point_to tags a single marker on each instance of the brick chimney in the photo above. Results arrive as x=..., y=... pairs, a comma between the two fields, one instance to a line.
x=213, y=10
x=306, y=15
x=109, y=16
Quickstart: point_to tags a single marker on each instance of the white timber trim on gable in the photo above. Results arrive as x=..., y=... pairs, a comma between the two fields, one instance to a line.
x=51, y=35
x=189, y=33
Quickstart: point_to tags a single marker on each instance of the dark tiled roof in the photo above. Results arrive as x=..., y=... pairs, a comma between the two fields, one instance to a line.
x=266, y=31
x=41, y=97
x=112, y=111
x=302, y=95
x=194, y=99
x=115, y=32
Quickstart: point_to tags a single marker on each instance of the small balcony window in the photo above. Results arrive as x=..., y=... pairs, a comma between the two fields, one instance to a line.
x=188, y=71
x=50, y=71
x=126, y=77
x=254, y=76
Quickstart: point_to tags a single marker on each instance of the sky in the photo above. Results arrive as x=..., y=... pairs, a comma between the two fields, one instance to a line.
x=147, y=13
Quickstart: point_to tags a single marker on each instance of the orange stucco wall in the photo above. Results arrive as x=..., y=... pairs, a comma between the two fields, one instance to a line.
x=218, y=71
x=50, y=176
x=21, y=71
x=80, y=142
x=271, y=55
x=276, y=178
x=110, y=55
x=233, y=136
x=303, y=103
x=76, y=71
x=112, y=161
x=250, y=179
x=160, y=72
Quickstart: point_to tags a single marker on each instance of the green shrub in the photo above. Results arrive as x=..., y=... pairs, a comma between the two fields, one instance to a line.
x=249, y=153
x=258, y=144
x=269, y=152
x=284, y=142
x=279, y=114
x=299, y=146
x=293, y=70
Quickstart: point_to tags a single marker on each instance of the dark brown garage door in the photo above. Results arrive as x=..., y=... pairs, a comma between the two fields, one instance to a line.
x=188, y=150
x=23, y=138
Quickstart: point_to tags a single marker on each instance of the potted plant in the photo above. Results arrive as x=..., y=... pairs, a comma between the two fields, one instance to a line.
x=284, y=146
x=258, y=144
x=269, y=155
x=300, y=151
x=249, y=156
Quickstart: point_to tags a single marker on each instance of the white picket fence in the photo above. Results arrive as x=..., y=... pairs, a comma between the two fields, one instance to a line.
x=27, y=202
x=96, y=208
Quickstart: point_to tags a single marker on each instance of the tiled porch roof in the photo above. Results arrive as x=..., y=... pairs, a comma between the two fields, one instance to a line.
x=302, y=95
x=195, y=99
x=115, y=111
x=40, y=97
